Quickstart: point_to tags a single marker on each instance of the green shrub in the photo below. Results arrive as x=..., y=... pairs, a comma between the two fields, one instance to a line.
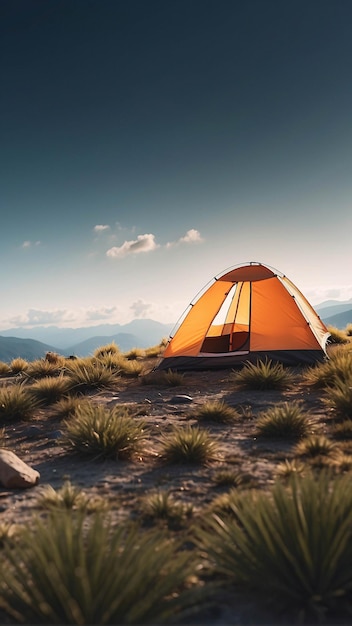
x=169, y=378
x=286, y=420
x=189, y=444
x=68, y=570
x=162, y=506
x=90, y=375
x=289, y=468
x=49, y=389
x=336, y=369
x=262, y=375
x=105, y=433
x=16, y=403
x=316, y=447
x=66, y=407
x=216, y=411
x=339, y=398
x=292, y=548
x=67, y=497
x=232, y=478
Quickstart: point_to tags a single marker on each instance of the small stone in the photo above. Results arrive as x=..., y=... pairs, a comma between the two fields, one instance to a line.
x=14, y=473
x=181, y=399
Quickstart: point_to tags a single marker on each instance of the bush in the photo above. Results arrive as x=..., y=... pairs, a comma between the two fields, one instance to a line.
x=336, y=335
x=286, y=421
x=68, y=570
x=105, y=433
x=16, y=403
x=87, y=375
x=292, y=548
x=337, y=368
x=49, y=389
x=339, y=398
x=190, y=444
x=262, y=376
x=216, y=411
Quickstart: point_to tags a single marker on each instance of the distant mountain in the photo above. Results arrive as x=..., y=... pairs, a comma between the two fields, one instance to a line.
x=28, y=349
x=332, y=307
x=146, y=333
x=124, y=341
x=340, y=320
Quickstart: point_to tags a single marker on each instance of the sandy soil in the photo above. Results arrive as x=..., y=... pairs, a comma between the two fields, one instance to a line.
x=124, y=484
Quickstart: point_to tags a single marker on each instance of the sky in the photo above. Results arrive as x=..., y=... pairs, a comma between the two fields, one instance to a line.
x=147, y=146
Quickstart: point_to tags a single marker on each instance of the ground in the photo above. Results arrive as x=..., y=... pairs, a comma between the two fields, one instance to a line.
x=124, y=484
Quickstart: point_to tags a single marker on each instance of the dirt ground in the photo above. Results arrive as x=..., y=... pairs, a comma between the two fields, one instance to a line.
x=124, y=484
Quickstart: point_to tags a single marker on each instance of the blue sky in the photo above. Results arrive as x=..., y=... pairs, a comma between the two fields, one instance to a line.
x=146, y=146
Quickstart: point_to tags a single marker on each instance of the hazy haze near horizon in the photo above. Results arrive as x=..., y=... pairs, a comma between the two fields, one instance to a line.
x=148, y=146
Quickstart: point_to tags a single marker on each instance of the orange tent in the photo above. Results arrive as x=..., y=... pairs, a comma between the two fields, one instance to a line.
x=247, y=313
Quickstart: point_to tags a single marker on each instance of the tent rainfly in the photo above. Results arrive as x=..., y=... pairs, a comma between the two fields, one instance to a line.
x=248, y=313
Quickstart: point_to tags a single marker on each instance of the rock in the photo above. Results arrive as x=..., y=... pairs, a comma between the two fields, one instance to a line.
x=14, y=473
x=181, y=399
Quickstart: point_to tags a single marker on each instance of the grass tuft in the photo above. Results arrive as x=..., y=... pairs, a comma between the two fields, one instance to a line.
x=189, y=444
x=286, y=420
x=262, y=375
x=216, y=411
x=69, y=569
x=105, y=433
x=16, y=403
x=291, y=548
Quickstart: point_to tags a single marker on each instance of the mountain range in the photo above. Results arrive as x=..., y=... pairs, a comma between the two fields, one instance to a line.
x=33, y=343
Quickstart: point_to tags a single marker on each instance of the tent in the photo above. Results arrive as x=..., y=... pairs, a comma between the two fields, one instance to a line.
x=248, y=313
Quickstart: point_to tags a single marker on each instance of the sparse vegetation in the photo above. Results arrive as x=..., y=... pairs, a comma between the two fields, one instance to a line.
x=189, y=444
x=216, y=411
x=286, y=420
x=18, y=365
x=49, y=389
x=169, y=378
x=162, y=506
x=337, y=335
x=292, y=547
x=178, y=459
x=336, y=369
x=16, y=403
x=262, y=375
x=339, y=398
x=87, y=375
x=105, y=433
x=69, y=570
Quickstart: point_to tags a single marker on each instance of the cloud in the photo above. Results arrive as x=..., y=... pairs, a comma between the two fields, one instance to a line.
x=191, y=236
x=143, y=243
x=99, y=228
x=30, y=244
x=101, y=314
x=140, y=308
x=36, y=317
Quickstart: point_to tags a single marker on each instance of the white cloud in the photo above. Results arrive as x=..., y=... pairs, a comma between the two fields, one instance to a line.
x=36, y=317
x=30, y=244
x=191, y=236
x=143, y=243
x=140, y=308
x=101, y=314
x=99, y=228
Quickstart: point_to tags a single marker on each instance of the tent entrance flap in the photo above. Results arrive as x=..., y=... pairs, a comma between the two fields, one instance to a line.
x=229, y=330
